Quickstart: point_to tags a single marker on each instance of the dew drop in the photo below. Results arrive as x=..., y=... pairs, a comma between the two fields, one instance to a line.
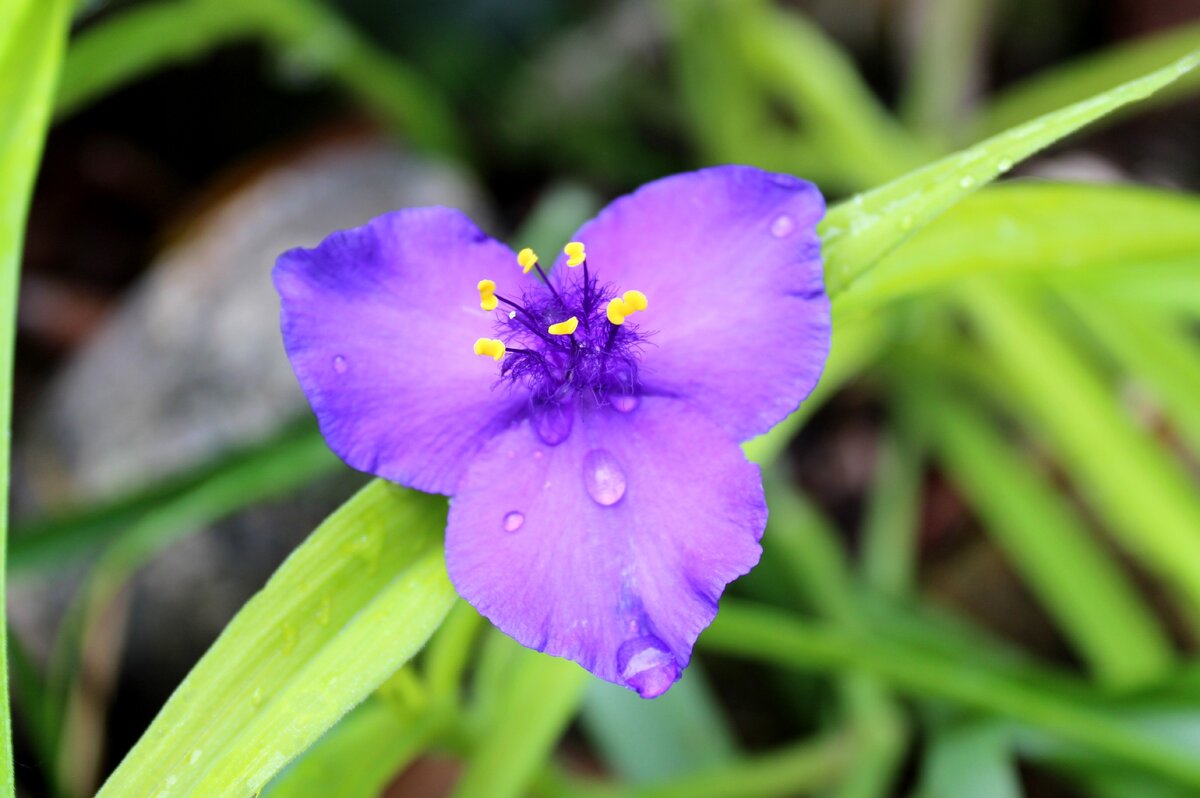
x=625, y=402
x=1004, y=165
x=783, y=226
x=553, y=423
x=647, y=665
x=256, y=698
x=603, y=477
x=340, y=365
x=514, y=521
x=967, y=181
x=195, y=757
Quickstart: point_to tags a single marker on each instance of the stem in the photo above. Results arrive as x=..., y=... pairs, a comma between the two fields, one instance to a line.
x=32, y=37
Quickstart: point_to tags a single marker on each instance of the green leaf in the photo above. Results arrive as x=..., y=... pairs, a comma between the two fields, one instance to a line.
x=1092, y=600
x=185, y=502
x=347, y=608
x=32, y=35
x=889, y=536
x=358, y=757
x=1145, y=497
x=1160, y=352
x=994, y=688
x=947, y=57
x=857, y=233
x=1074, y=81
x=975, y=760
x=1077, y=232
x=818, y=81
x=642, y=741
x=534, y=704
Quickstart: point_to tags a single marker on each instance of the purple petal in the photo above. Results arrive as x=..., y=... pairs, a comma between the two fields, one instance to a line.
x=612, y=547
x=379, y=323
x=730, y=260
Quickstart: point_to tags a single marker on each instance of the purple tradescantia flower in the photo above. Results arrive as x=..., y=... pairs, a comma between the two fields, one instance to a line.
x=587, y=425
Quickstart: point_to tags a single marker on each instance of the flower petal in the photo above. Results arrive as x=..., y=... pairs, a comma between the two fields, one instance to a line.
x=379, y=323
x=612, y=547
x=730, y=261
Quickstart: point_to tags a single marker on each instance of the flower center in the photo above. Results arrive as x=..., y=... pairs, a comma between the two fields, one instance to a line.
x=565, y=340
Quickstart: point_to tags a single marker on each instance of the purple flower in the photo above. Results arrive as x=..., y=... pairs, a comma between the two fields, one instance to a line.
x=586, y=424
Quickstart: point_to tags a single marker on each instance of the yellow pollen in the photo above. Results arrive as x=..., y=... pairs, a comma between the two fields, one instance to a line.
x=487, y=294
x=490, y=347
x=618, y=310
x=574, y=252
x=635, y=300
x=527, y=258
x=564, y=327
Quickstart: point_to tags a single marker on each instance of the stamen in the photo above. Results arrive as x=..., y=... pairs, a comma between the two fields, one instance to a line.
x=490, y=347
x=487, y=294
x=618, y=310
x=635, y=300
x=528, y=259
x=626, y=305
x=564, y=327
x=575, y=253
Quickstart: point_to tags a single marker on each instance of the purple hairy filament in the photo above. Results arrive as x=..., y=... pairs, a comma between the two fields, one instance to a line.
x=567, y=341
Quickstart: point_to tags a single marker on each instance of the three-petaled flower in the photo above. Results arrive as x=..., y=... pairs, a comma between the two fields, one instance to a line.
x=601, y=502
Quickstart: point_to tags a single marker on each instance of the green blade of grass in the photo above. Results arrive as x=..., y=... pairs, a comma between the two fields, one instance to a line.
x=818, y=81
x=857, y=233
x=1092, y=600
x=32, y=36
x=538, y=699
x=1074, y=81
x=1164, y=355
x=1074, y=716
x=349, y=606
x=1145, y=497
x=358, y=757
x=1076, y=232
x=974, y=759
x=289, y=460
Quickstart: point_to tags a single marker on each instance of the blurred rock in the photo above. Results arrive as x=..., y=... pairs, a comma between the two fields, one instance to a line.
x=192, y=363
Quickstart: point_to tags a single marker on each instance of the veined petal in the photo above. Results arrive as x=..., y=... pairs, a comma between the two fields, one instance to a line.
x=730, y=261
x=613, y=547
x=379, y=323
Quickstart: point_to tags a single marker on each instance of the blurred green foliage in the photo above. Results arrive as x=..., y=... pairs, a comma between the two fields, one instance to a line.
x=995, y=324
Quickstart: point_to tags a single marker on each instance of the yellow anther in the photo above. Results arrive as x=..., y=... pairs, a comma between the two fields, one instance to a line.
x=618, y=310
x=574, y=252
x=635, y=300
x=527, y=258
x=564, y=327
x=491, y=347
x=487, y=294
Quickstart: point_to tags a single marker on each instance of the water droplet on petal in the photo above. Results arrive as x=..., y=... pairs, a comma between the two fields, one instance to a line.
x=1004, y=165
x=625, y=402
x=967, y=181
x=783, y=226
x=195, y=757
x=553, y=423
x=647, y=665
x=603, y=477
x=514, y=521
x=340, y=365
